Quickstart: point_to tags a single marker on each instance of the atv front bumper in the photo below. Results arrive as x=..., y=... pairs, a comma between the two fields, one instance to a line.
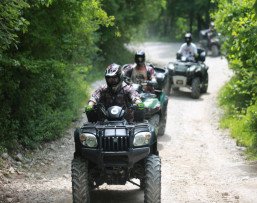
x=117, y=158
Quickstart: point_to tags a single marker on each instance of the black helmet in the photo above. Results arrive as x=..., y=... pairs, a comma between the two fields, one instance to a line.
x=188, y=38
x=140, y=58
x=113, y=76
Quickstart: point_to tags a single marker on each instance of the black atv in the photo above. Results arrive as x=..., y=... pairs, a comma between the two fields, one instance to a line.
x=210, y=41
x=108, y=149
x=190, y=73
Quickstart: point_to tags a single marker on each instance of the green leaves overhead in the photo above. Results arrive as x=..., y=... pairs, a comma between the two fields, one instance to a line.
x=11, y=22
x=69, y=26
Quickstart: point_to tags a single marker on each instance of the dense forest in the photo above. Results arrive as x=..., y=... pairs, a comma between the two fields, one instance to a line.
x=50, y=49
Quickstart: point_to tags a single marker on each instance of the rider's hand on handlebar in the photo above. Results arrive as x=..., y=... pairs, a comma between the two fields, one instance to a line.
x=89, y=107
x=141, y=106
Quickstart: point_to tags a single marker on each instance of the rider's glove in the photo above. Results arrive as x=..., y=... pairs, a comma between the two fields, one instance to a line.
x=140, y=106
x=88, y=108
x=178, y=56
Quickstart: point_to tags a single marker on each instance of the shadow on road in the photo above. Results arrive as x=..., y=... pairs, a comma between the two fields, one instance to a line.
x=250, y=168
x=117, y=196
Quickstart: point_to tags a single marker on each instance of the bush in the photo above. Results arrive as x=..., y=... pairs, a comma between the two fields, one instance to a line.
x=38, y=99
x=238, y=97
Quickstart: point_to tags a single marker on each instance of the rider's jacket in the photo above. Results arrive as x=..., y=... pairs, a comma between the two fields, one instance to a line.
x=136, y=73
x=123, y=97
x=140, y=73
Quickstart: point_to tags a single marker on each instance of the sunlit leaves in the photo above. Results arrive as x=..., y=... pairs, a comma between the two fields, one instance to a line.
x=238, y=23
x=65, y=29
x=11, y=22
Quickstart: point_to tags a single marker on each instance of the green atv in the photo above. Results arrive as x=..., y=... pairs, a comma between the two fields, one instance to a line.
x=155, y=103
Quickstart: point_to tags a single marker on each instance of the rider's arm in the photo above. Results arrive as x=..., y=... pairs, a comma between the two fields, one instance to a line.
x=127, y=70
x=194, y=50
x=152, y=78
x=133, y=94
x=181, y=49
x=96, y=95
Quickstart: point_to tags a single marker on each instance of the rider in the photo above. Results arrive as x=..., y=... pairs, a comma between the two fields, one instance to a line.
x=211, y=32
x=115, y=92
x=188, y=49
x=140, y=71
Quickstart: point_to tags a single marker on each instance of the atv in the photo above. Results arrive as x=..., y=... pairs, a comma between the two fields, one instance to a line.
x=210, y=41
x=109, y=149
x=188, y=73
x=155, y=102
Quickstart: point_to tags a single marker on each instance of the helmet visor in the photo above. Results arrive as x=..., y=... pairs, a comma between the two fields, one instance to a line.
x=140, y=60
x=187, y=39
x=112, y=81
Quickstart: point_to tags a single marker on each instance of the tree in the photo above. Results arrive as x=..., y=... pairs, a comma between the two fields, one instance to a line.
x=183, y=16
x=11, y=22
x=130, y=17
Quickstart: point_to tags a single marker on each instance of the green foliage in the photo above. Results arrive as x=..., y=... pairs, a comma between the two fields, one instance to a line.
x=182, y=27
x=238, y=97
x=50, y=51
x=68, y=26
x=131, y=19
x=47, y=47
x=38, y=99
x=182, y=16
x=11, y=22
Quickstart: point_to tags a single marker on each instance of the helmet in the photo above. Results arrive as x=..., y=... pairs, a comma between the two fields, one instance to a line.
x=211, y=24
x=113, y=76
x=188, y=38
x=140, y=58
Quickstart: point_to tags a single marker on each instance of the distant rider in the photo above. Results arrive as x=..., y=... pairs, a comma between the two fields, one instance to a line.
x=211, y=32
x=188, y=50
x=140, y=71
x=115, y=92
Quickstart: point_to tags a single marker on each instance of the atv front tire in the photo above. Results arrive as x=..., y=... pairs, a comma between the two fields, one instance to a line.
x=204, y=85
x=162, y=124
x=196, y=90
x=80, y=181
x=215, y=50
x=167, y=87
x=152, y=190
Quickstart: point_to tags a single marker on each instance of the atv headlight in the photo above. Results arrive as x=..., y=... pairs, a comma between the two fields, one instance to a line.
x=142, y=138
x=88, y=139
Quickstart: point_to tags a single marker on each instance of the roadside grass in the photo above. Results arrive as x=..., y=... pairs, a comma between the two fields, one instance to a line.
x=242, y=126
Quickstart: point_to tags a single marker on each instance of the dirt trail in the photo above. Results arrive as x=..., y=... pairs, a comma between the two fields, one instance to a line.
x=200, y=163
